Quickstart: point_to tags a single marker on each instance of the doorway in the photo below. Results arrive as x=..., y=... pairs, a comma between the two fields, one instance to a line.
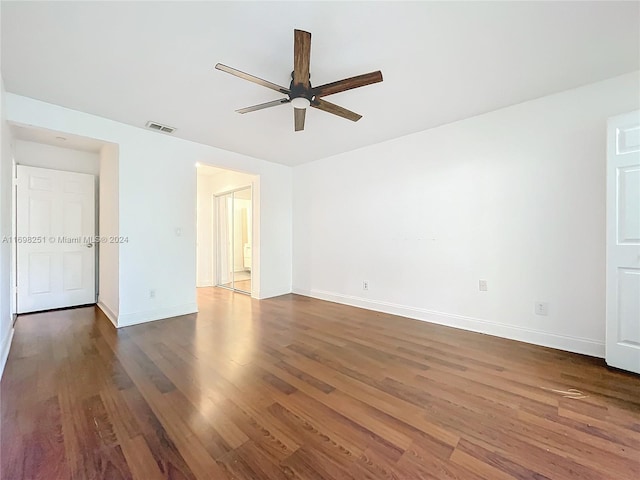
x=55, y=234
x=242, y=272
x=53, y=202
x=234, y=252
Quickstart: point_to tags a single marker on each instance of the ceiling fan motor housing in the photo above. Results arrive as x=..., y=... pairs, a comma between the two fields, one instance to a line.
x=300, y=91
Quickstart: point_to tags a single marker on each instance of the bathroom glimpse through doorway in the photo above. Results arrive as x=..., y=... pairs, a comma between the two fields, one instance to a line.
x=234, y=242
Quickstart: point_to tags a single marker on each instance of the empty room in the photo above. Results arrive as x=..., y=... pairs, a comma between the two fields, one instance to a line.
x=320, y=240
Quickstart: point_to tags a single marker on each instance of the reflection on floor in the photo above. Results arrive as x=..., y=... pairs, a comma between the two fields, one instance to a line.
x=244, y=285
x=242, y=281
x=242, y=275
x=297, y=388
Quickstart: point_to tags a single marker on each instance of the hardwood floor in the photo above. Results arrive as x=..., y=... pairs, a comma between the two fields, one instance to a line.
x=244, y=285
x=293, y=387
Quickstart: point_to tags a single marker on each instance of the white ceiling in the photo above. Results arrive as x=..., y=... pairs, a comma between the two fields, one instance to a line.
x=441, y=61
x=57, y=139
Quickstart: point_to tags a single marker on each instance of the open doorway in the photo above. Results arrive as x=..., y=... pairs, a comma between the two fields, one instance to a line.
x=227, y=229
x=65, y=197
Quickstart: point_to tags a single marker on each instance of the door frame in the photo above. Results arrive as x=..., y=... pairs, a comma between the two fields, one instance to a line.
x=15, y=220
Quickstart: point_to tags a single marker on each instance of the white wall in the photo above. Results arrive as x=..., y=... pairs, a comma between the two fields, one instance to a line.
x=157, y=199
x=109, y=252
x=36, y=154
x=6, y=186
x=515, y=197
x=205, y=254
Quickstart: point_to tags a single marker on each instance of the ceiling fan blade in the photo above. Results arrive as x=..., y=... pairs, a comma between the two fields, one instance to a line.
x=252, y=78
x=335, y=109
x=275, y=103
x=301, y=57
x=298, y=117
x=347, y=84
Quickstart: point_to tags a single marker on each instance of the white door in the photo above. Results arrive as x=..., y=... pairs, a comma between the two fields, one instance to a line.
x=623, y=242
x=55, y=232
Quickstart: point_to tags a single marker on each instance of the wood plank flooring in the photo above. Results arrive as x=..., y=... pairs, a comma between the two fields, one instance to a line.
x=297, y=388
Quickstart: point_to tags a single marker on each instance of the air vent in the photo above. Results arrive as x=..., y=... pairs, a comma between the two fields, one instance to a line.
x=159, y=127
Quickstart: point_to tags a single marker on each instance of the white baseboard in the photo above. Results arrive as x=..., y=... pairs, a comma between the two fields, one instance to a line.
x=108, y=313
x=584, y=346
x=272, y=292
x=128, y=319
x=4, y=349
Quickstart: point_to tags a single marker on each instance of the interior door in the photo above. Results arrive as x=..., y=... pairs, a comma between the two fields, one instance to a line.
x=55, y=239
x=623, y=242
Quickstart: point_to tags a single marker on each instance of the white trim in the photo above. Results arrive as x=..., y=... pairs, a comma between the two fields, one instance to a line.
x=227, y=192
x=546, y=339
x=129, y=319
x=108, y=313
x=273, y=292
x=4, y=350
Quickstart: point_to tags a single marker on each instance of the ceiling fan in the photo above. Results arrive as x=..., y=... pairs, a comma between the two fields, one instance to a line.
x=300, y=92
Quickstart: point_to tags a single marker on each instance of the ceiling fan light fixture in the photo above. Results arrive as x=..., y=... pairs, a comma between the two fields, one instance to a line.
x=300, y=102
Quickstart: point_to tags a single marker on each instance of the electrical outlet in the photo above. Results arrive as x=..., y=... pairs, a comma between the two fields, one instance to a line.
x=365, y=285
x=152, y=294
x=482, y=285
x=542, y=308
